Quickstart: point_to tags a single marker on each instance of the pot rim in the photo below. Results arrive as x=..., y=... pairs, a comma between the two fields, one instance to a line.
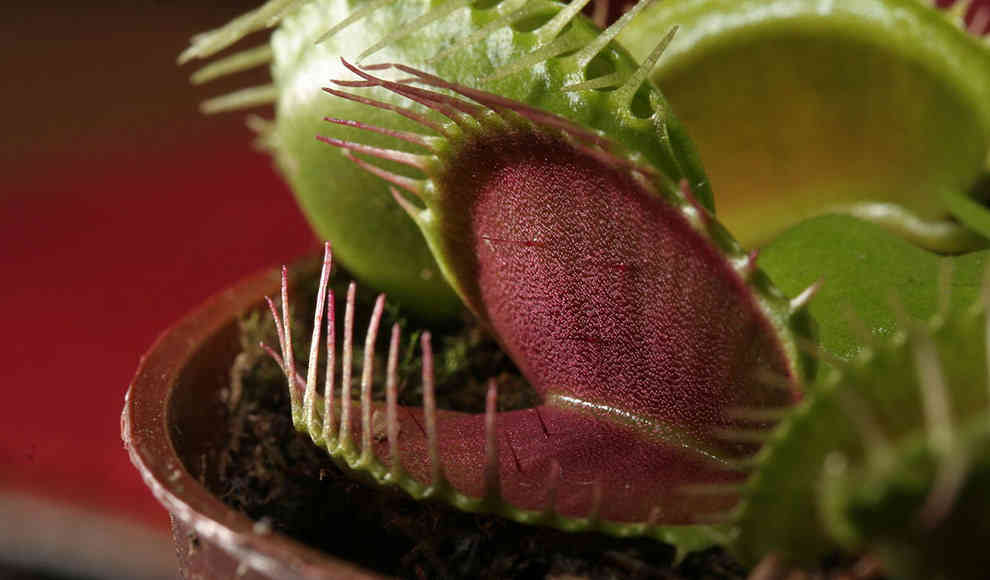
x=146, y=435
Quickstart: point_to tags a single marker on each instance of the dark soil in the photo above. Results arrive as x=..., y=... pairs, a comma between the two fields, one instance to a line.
x=277, y=476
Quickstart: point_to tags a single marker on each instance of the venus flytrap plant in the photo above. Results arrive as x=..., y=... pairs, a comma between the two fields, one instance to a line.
x=591, y=270
x=564, y=206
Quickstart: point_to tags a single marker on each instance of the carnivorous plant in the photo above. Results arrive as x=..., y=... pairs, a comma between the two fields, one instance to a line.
x=518, y=162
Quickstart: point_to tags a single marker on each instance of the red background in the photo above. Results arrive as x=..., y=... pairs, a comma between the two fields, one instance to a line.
x=121, y=208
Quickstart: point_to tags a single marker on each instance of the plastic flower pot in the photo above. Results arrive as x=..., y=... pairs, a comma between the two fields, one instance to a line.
x=174, y=415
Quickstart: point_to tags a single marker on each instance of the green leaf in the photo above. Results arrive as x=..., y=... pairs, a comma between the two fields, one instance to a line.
x=863, y=268
x=802, y=107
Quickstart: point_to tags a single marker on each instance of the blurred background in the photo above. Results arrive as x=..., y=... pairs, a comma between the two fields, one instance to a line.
x=121, y=208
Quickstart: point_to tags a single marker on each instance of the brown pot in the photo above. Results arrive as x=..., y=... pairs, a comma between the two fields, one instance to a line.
x=173, y=416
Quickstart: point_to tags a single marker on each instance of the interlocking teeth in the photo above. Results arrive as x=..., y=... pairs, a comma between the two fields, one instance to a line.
x=553, y=27
x=559, y=46
x=483, y=107
x=329, y=411
x=212, y=42
x=367, y=376
x=353, y=17
x=802, y=300
x=344, y=435
x=405, y=112
x=512, y=11
x=627, y=91
x=391, y=404
x=309, y=405
x=438, y=483
x=235, y=63
x=246, y=98
x=414, y=186
x=287, y=353
x=409, y=28
x=408, y=137
x=584, y=56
